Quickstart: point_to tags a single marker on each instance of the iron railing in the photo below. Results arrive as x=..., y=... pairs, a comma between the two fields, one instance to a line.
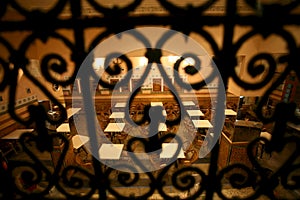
x=264, y=19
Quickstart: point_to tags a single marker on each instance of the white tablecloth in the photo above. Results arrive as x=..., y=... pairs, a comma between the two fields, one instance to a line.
x=188, y=103
x=72, y=111
x=169, y=150
x=195, y=113
x=79, y=140
x=230, y=112
x=202, y=124
x=162, y=127
x=65, y=128
x=117, y=115
x=120, y=105
x=16, y=134
x=157, y=103
x=110, y=151
x=114, y=127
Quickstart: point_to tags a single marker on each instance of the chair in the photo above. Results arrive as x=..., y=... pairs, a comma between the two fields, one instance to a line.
x=191, y=156
x=120, y=137
x=200, y=141
x=7, y=148
x=103, y=118
x=83, y=158
x=262, y=146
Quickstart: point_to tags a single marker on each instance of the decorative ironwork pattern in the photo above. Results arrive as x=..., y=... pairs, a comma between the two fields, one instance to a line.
x=265, y=20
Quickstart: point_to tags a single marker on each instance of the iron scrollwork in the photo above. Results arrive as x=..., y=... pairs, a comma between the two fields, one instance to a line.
x=43, y=25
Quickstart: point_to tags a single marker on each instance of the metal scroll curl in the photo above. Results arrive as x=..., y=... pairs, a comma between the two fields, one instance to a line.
x=128, y=178
x=264, y=65
x=50, y=64
x=36, y=172
x=185, y=179
x=290, y=180
x=81, y=181
x=270, y=18
x=256, y=67
x=259, y=179
x=239, y=176
x=33, y=175
x=112, y=69
x=193, y=70
x=154, y=48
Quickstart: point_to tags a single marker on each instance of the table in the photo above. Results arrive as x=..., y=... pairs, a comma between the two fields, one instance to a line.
x=117, y=115
x=169, y=150
x=266, y=135
x=72, y=111
x=162, y=127
x=114, y=127
x=63, y=128
x=188, y=103
x=202, y=124
x=79, y=140
x=16, y=134
x=157, y=103
x=195, y=113
x=120, y=105
x=230, y=112
x=110, y=151
x=293, y=126
x=261, y=149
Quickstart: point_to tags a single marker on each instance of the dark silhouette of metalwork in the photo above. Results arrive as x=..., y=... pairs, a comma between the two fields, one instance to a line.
x=265, y=20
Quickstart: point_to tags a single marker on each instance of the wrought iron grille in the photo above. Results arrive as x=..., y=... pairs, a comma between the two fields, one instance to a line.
x=264, y=18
